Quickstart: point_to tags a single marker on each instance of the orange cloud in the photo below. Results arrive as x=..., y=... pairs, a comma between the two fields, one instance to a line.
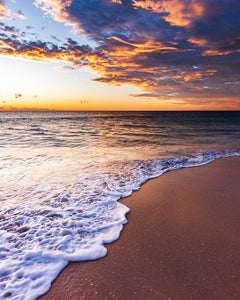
x=56, y=8
x=4, y=12
x=20, y=15
x=178, y=12
x=137, y=64
x=117, y=1
x=170, y=48
x=41, y=51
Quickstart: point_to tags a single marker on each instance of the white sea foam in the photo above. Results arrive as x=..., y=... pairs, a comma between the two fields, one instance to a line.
x=59, y=190
x=53, y=221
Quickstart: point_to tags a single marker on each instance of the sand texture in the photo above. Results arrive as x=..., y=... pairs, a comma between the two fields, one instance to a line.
x=182, y=242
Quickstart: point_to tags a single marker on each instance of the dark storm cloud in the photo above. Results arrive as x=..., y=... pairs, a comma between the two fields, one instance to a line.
x=219, y=25
x=105, y=19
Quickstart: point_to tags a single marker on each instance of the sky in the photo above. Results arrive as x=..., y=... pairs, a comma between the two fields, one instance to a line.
x=120, y=55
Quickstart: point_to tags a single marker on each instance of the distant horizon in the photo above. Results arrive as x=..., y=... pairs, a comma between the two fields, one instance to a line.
x=52, y=110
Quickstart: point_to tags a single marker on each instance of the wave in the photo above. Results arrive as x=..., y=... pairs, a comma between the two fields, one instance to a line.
x=52, y=225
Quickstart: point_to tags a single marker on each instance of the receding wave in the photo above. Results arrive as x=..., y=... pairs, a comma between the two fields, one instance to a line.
x=57, y=222
x=62, y=174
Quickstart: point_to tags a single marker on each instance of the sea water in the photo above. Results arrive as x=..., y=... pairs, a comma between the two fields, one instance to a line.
x=62, y=174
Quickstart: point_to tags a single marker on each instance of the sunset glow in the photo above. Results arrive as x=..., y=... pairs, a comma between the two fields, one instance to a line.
x=120, y=55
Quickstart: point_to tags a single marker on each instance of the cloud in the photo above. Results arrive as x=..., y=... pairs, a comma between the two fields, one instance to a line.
x=20, y=15
x=13, y=108
x=177, y=12
x=4, y=12
x=44, y=51
x=145, y=95
x=5, y=29
x=66, y=68
x=55, y=38
x=219, y=26
x=170, y=49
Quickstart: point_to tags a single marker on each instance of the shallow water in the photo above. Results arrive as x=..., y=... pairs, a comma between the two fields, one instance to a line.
x=63, y=172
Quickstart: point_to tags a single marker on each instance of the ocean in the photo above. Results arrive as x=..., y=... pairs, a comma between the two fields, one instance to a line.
x=62, y=174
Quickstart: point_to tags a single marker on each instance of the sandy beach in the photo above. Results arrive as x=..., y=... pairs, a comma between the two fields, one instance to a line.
x=182, y=242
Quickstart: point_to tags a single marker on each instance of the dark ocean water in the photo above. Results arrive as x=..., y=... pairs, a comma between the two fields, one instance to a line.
x=63, y=172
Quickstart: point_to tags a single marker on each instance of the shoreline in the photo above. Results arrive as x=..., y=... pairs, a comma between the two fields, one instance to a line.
x=181, y=242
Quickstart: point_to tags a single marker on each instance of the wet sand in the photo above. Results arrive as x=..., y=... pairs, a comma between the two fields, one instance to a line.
x=182, y=242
